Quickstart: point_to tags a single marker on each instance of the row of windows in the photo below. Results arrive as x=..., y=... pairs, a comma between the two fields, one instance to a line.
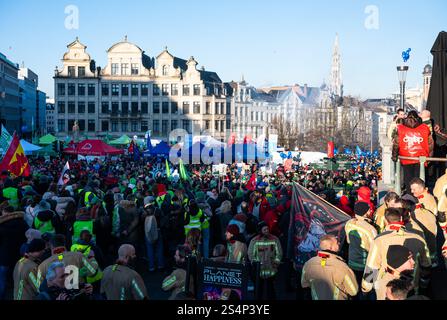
x=91, y=125
x=142, y=126
x=142, y=107
x=72, y=71
x=71, y=107
x=254, y=116
x=124, y=89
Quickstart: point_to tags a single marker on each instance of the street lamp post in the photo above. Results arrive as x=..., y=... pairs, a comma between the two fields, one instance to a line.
x=402, y=74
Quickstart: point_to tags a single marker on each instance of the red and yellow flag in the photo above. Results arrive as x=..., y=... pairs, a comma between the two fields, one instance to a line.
x=15, y=160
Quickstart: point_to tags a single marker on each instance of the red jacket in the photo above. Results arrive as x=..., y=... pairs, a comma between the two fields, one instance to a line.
x=344, y=206
x=265, y=206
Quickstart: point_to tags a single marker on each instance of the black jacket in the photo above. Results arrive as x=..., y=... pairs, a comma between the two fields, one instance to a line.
x=12, y=236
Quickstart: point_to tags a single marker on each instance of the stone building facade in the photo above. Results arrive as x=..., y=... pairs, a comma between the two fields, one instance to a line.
x=135, y=93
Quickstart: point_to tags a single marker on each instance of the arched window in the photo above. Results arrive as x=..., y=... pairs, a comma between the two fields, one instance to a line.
x=165, y=70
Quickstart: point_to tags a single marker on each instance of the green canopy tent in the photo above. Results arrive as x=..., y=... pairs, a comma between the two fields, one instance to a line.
x=47, y=139
x=123, y=140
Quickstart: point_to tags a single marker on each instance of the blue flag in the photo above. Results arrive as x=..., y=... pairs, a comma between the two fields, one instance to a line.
x=136, y=153
x=335, y=151
x=348, y=151
x=358, y=151
x=148, y=141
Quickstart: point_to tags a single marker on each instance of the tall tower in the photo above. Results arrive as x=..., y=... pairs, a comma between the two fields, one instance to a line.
x=427, y=81
x=336, y=86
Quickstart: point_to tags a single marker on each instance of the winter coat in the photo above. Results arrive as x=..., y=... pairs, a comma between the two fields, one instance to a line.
x=61, y=205
x=344, y=206
x=12, y=236
x=268, y=252
x=236, y=250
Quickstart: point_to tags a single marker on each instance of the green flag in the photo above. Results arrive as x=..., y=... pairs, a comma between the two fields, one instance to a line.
x=168, y=170
x=183, y=173
x=5, y=140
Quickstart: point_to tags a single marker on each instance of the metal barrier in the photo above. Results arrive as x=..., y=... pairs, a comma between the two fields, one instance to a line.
x=422, y=161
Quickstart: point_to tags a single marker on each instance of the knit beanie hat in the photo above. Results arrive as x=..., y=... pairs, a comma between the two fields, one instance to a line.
x=361, y=208
x=36, y=245
x=261, y=225
x=233, y=229
x=200, y=196
x=240, y=217
x=397, y=256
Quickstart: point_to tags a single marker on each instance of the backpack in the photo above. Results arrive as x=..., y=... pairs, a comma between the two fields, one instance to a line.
x=151, y=229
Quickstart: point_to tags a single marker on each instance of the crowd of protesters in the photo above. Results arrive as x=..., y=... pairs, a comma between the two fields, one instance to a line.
x=118, y=218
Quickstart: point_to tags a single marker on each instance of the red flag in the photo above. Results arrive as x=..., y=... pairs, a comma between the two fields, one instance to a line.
x=131, y=147
x=330, y=149
x=232, y=139
x=247, y=139
x=288, y=165
x=15, y=160
x=251, y=184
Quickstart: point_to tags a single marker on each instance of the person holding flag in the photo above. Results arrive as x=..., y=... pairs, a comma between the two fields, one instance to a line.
x=65, y=176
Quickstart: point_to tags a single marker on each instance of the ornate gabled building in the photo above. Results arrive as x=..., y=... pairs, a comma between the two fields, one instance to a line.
x=135, y=93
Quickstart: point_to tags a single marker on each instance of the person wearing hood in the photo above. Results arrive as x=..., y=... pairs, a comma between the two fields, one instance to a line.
x=120, y=281
x=12, y=236
x=360, y=234
x=236, y=247
x=364, y=195
x=30, y=235
x=175, y=282
x=413, y=139
x=46, y=220
x=344, y=206
x=26, y=283
x=266, y=249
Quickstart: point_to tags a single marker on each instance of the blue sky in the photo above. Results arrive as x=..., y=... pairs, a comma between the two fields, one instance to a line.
x=270, y=42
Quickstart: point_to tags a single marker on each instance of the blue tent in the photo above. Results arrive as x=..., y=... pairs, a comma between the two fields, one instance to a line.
x=160, y=150
x=198, y=151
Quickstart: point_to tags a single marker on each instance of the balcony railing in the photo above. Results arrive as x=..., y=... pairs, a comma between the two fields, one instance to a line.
x=422, y=161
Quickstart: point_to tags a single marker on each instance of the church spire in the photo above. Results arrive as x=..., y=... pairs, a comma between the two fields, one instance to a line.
x=336, y=85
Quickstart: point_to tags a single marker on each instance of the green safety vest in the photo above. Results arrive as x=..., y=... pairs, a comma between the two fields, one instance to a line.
x=12, y=194
x=44, y=227
x=88, y=197
x=80, y=226
x=160, y=200
x=194, y=222
x=85, y=250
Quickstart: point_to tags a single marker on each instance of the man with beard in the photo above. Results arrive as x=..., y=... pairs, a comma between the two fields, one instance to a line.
x=26, y=283
x=175, y=282
x=121, y=281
